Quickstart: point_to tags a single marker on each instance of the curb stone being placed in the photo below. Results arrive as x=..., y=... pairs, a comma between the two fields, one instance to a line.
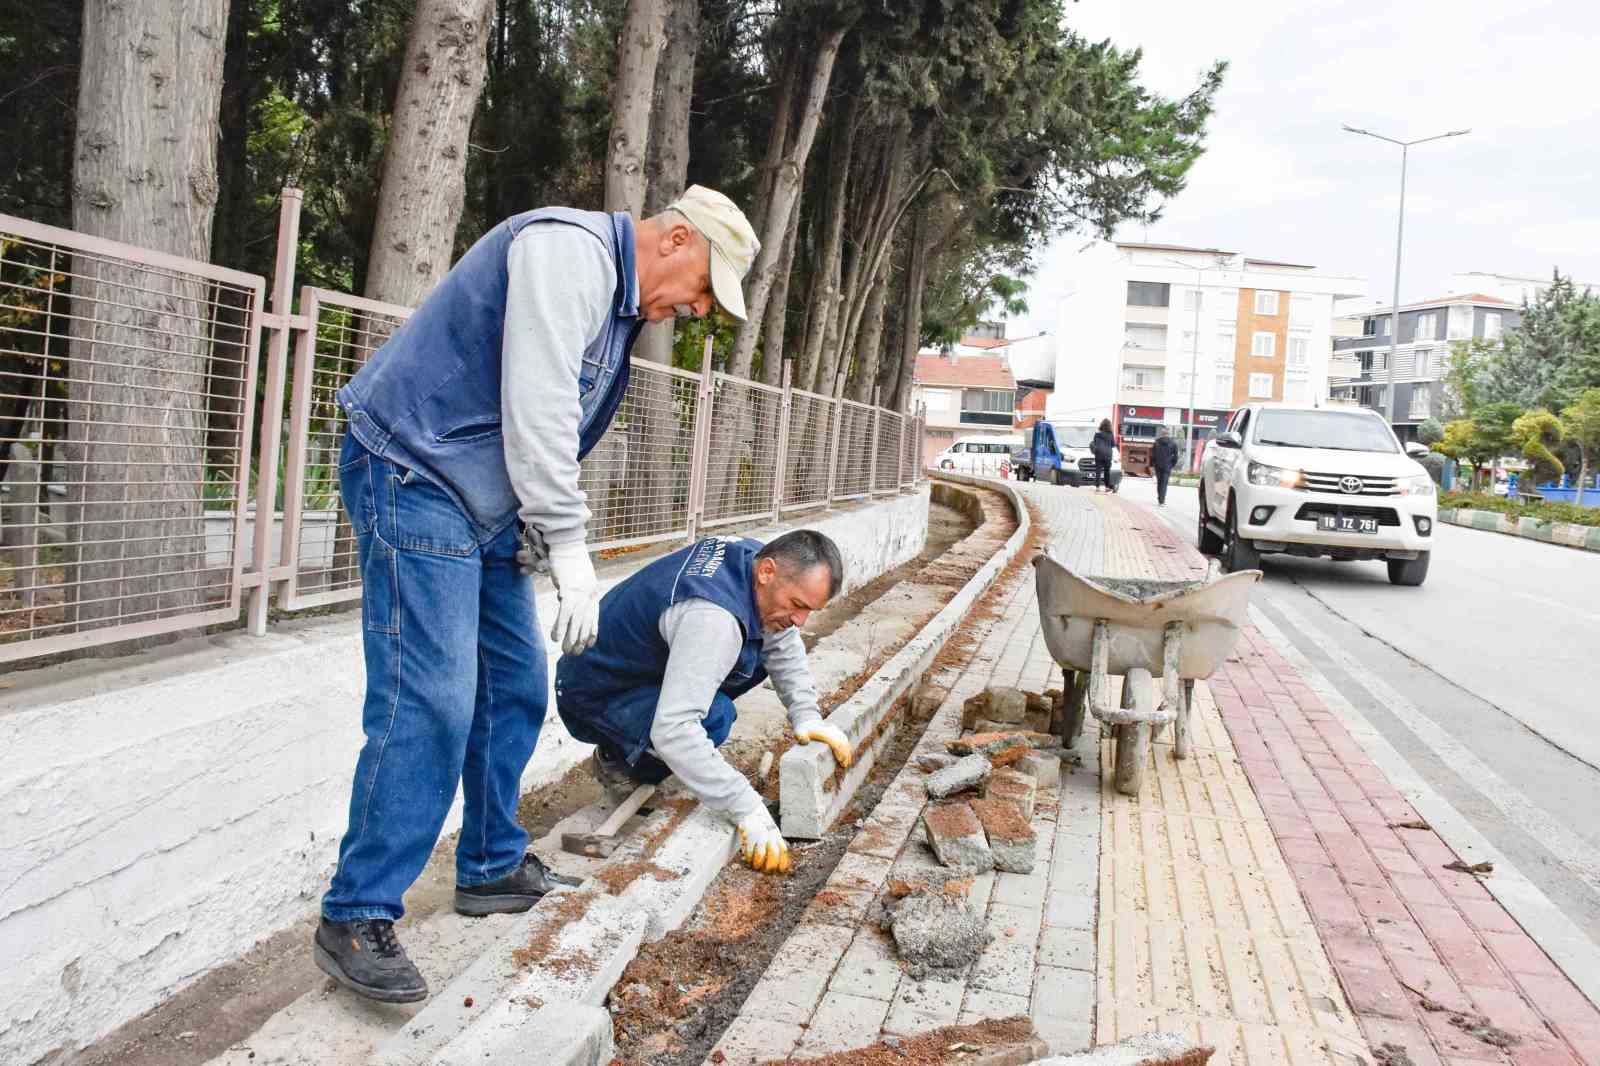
x=512, y=1034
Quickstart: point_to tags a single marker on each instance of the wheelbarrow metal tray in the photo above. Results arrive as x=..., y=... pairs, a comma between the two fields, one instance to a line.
x=1136, y=612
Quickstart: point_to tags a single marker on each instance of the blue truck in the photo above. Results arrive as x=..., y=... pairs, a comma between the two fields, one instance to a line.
x=1059, y=453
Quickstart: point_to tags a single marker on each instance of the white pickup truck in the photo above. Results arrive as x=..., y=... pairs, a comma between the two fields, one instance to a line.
x=1316, y=482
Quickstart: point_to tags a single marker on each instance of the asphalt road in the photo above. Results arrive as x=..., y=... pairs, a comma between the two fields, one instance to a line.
x=1486, y=679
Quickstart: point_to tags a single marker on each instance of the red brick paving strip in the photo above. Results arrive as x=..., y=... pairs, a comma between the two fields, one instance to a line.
x=1397, y=925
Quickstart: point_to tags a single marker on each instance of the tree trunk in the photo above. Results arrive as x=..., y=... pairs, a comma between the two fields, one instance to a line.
x=911, y=312
x=778, y=140
x=632, y=96
x=145, y=172
x=785, y=198
x=777, y=324
x=425, y=161
x=867, y=350
x=823, y=301
x=668, y=168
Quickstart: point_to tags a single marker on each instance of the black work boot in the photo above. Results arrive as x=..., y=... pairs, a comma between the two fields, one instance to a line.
x=611, y=773
x=517, y=891
x=366, y=957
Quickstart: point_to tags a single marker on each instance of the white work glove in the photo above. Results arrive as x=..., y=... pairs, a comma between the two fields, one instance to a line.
x=578, y=619
x=761, y=845
x=816, y=729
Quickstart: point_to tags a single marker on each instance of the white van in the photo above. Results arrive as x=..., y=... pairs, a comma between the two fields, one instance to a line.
x=979, y=455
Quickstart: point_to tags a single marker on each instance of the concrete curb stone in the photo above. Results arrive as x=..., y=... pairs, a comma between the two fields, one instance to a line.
x=1568, y=534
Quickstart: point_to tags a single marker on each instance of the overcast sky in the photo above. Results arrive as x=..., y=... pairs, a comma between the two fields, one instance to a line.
x=1281, y=180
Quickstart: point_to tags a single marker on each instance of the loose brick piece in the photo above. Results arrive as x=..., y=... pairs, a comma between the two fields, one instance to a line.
x=1001, y=748
x=998, y=704
x=1044, y=768
x=965, y=775
x=1011, y=838
x=1015, y=787
x=956, y=836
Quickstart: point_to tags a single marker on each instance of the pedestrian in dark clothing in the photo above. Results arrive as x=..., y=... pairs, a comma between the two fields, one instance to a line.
x=1101, y=447
x=1163, y=458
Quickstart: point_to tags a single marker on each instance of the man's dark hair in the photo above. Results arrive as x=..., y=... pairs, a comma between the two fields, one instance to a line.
x=799, y=550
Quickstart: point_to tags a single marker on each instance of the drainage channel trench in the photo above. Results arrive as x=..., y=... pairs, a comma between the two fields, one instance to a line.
x=224, y=1008
x=672, y=1003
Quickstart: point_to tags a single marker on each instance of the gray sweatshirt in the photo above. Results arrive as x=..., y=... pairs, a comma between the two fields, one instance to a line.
x=560, y=288
x=705, y=640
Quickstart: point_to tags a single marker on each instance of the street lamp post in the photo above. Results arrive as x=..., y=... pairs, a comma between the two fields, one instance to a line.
x=1394, y=310
x=1190, y=444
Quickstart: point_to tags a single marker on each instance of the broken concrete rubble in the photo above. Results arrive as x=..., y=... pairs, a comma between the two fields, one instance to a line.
x=956, y=836
x=1045, y=768
x=935, y=932
x=1014, y=787
x=1011, y=839
x=1152, y=1049
x=966, y=774
x=999, y=704
x=1002, y=748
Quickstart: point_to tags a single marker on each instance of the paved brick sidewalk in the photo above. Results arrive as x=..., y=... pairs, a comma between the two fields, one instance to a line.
x=1414, y=944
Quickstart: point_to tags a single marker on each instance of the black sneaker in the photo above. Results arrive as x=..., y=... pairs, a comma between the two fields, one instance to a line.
x=366, y=957
x=517, y=891
x=611, y=773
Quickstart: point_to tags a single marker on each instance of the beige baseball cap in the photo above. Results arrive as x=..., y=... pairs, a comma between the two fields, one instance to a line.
x=733, y=243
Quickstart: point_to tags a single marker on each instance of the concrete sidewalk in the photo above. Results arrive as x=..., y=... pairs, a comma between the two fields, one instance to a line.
x=1255, y=896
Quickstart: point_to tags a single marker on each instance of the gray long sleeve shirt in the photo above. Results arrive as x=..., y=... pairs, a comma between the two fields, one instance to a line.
x=704, y=641
x=560, y=287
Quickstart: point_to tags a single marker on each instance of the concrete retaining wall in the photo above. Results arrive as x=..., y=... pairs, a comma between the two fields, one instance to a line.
x=1586, y=538
x=165, y=811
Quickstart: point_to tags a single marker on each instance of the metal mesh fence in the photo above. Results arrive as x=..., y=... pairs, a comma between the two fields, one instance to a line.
x=855, y=451
x=743, y=458
x=125, y=377
x=345, y=331
x=810, y=434
x=911, y=433
x=637, y=477
x=886, y=477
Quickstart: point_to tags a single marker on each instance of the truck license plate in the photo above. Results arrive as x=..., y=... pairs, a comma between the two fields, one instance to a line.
x=1343, y=523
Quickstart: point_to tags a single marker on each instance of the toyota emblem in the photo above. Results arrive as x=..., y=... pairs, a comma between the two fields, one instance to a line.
x=1351, y=485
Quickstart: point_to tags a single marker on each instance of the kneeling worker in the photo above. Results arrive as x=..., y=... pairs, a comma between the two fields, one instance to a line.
x=681, y=640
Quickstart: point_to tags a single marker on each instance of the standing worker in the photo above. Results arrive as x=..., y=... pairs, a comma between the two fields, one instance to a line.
x=1101, y=447
x=465, y=432
x=1163, y=457
x=682, y=639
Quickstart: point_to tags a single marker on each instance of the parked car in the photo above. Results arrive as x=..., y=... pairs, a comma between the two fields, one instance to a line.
x=1059, y=452
x=987, y=456
x=1316, y=482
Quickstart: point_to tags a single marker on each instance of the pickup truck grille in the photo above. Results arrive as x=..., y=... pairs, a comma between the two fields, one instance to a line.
x=1370, y=486
x=1086, y=464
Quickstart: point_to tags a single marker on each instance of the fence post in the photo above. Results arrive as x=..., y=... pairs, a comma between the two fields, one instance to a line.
x=872, y=452
x=700, y=453
x=900, y=479
x=271, y=428
x=785, y=413
x=833, y=448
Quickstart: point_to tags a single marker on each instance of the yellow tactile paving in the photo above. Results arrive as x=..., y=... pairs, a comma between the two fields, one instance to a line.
x=1201, y=928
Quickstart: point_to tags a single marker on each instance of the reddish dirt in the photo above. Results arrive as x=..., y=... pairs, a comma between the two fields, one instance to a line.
x=619, y=877
x=933, y=1048
x=565, y=907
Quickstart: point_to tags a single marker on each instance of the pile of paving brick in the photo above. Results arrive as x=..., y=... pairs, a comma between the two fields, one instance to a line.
x=983, y=792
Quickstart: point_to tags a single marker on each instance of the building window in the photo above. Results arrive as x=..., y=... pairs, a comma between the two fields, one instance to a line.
x=1264, y=345
x=1146, y=338
x=1225, y=344
x=1261, y=386
x=1134, y=377
x=1300, y=311
x=1423, y=362
x=1299, y=351
x=1222, y=391
x=1266, y=303
x=1148, y=293
x=1421, y=403
x=1192, y=299
x=1297, y=390
x=1369, y=328
x=936, y=399
x=1226, y=304
x=1188, y=341
x=1491, y=326
x=988, y=407
x=1427, y=327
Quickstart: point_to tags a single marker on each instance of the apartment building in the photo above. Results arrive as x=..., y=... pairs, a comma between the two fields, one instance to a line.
x=1358, y=371
x=1149, y=330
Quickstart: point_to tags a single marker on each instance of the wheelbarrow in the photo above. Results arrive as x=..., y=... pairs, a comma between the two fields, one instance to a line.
x=1178, y=631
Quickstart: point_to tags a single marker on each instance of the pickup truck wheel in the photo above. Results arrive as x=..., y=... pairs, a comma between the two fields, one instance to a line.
x=1061, y=478
x=947, y=465
x=1237, y=552
x=1206, y=540
x=1409, y=571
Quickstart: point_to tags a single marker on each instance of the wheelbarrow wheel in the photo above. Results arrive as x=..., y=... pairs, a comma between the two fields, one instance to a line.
x=1133, y=739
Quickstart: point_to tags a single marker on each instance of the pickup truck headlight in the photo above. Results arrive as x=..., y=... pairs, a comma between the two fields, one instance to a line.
x=1282, y=477
x=1421, y=485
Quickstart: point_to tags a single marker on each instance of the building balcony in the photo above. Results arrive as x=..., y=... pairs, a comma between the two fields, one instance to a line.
x=1133, y=355
x=1143, y=395
x=1139, y=314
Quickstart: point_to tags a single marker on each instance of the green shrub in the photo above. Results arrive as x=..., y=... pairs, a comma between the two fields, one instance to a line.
x=1549, y=512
